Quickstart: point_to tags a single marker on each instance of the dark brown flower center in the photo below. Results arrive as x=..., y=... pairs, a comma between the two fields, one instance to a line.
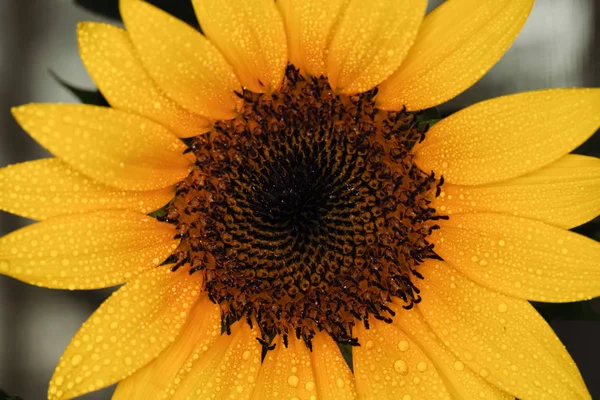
x=306, y=212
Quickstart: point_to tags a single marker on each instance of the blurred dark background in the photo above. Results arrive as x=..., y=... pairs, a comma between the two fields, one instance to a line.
x=558, y=47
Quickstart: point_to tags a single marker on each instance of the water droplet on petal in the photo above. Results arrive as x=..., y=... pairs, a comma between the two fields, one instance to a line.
x=293, y=381
x=401, y=367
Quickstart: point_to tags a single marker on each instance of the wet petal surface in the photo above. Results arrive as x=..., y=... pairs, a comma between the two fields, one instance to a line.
x=158, y=379
x=227, y=370
x=129, y=329
x=184, y=64
x=461, y=381
x=116, y=148
x=286, y=373
x=250, y=34
x=309, y=26
x=109, y=57
x=86, y=251
x=564, y=194
x=509, y=136
x=502, y=339
x=457, y=44
x=389, y=365
x=520, y=257
x=370, y=41
x=48, y=188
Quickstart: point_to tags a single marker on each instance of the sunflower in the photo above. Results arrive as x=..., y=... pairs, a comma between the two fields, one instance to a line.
x=275, y=189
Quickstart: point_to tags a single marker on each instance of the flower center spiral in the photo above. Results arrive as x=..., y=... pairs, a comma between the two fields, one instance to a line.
x=306, y=213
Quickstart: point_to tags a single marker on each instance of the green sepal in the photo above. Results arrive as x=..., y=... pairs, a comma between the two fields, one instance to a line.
x=346, y=351
x=182, y=10
x=92, y=97
x=427, y=118
x=6, y=396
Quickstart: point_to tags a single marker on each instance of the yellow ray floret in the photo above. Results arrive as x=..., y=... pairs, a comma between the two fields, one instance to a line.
x=48, y=188
x=309, y=26
x=501, y=338
x=86, y=251
x=117, y=148
x=109, y=57
x=370, y=41
x=286, y=372
x=521, y=257
x=250, y=34
x=509, y=136
x=564, y=194
x=388, y=365
x=227, y=370
x=333, y=378
x=184, y=64
x=457, y=44
x=159, y=379
x=129, y=329
x=460, y=380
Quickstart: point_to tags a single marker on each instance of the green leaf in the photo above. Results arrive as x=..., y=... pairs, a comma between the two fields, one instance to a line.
x=93, y=97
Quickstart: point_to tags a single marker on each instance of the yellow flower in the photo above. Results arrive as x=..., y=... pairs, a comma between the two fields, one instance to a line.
x=309, y=205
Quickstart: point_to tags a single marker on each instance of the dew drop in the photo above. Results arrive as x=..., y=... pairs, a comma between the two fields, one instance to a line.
x=339, y=383
x=76, y=359
x=459, y=366
x=422, y=366
x=502, y=307
x=403, y=345
x=293, y=381
x=401, y=367
x=4, y=265
x=309, y=385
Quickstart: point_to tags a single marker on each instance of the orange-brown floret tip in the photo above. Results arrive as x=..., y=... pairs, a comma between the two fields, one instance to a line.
x=306, y=213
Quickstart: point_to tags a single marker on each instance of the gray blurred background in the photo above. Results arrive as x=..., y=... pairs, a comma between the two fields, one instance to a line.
x=558, y=47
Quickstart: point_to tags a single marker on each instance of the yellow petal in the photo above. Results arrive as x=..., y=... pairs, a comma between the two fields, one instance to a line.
x=521, y=257
x=227, y=370
x=109, y=57
x=501, y=338
x=155, y=380
x=86, y=251
x=309, y=27
x=129, y=329
x=286, y=373
x=509, y=136
x=461, y=381
x=370, y=41
x=49, y=187
x=184, y=64
x=333, y=378
x=250, y=34
x=564, y=193
x=388, y=365
x=457, y=44
x=114, y=147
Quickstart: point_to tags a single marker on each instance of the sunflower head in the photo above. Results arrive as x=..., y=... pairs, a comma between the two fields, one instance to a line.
x=278, y=186
x=306, y=212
